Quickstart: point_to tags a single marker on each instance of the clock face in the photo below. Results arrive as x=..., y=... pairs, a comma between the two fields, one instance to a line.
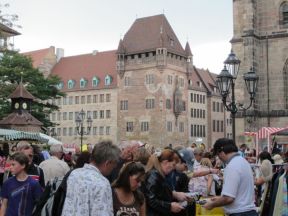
x=24, y=105
x=16, y=105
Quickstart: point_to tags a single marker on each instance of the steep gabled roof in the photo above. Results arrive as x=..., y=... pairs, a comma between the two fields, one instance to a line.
x=208, y=79
x=87, y=66
x=121, y=48
x=188, y=50
x=24, y=119
x=21, y=92
x=38, y=56
x=148, y=33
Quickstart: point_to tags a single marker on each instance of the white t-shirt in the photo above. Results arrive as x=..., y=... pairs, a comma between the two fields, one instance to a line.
x=239, y=184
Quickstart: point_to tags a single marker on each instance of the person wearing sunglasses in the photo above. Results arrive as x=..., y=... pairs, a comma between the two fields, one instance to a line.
x=127, y=198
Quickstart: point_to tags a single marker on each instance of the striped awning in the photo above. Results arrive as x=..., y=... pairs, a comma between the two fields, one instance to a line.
x=265, y=132
x=10, y=135
x=250, y=133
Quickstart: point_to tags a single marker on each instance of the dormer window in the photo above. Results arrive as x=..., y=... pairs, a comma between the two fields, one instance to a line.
x=95, y=81
x=60, y=85
x=71, y=84
x=108, y=80
x=83, y=83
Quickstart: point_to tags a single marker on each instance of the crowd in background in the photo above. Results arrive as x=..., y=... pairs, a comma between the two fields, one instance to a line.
x=133, y=178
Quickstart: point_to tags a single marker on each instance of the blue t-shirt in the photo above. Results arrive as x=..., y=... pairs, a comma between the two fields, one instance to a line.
x=21, y=196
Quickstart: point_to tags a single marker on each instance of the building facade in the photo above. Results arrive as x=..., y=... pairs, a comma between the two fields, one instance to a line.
x=260, y=41
x=148, y=89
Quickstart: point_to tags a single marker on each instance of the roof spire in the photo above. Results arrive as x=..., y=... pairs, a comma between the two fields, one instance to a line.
x=188, y=50
x=121, y=48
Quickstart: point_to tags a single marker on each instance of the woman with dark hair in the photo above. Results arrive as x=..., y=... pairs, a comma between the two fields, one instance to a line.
x=159, y=195
x=83, y=158
x=127, y=199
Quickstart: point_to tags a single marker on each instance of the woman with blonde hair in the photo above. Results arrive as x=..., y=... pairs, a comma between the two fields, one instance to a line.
x=159, y=195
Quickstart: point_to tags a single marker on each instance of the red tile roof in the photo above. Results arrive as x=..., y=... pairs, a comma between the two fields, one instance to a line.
x=208, y=79
x=24, y=119
x=87, y=66
x=21, y=92
x=38, y=56
x=148, y=33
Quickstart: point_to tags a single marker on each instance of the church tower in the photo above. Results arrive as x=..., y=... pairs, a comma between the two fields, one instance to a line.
x=260, y=41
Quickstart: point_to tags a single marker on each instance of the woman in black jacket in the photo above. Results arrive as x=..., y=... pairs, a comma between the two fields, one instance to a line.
x=159, y=195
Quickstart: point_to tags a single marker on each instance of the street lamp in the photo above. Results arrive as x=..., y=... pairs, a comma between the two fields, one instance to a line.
x=80, y=125
x=227, y=78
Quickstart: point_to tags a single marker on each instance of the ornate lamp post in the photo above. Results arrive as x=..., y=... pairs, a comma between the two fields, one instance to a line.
x=80, y=125
x=226, y=81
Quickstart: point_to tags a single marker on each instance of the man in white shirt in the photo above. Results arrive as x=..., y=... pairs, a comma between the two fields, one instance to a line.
x=237, y=197
x=88, y=191
x=54, y=167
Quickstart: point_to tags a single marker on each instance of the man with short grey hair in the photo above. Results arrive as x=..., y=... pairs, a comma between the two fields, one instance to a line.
x=54, y=167
x=88, y=191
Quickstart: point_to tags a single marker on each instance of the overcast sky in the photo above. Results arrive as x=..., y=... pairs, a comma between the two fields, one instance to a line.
x=82, y=26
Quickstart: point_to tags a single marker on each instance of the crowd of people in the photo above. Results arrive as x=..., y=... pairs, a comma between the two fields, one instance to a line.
x=135, y=179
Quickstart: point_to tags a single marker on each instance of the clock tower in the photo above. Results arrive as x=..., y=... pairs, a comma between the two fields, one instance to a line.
x=21, y=118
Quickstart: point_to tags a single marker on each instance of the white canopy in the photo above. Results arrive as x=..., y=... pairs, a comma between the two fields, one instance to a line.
x=51, y=140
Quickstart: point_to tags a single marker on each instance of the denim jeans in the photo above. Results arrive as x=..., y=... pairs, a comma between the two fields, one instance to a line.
x=248, y=213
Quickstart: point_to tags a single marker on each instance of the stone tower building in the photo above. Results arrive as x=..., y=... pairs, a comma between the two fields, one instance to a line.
x=153, y=68
x=260, y=41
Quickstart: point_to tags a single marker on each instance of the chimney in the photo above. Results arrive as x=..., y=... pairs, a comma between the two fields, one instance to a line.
x=94, y=52
x=59, y=53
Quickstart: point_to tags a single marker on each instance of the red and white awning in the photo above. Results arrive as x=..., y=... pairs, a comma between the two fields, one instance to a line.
x=265, y=132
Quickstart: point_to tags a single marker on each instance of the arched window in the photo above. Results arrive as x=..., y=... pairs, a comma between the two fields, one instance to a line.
x=284, y=14
x=95, y=81
x=83, y=83
x=60, y=85
x=71, y=84
x=108, y=80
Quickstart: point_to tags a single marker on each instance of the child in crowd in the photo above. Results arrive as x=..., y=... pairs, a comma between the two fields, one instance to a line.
x=20, y=192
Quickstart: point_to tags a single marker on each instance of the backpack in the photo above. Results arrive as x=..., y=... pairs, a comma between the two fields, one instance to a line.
x=52, y=200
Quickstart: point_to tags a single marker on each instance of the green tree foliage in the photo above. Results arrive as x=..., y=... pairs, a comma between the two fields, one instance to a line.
x=13, y=66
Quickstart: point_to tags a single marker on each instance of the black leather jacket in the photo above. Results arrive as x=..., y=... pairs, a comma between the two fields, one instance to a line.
x=158, y=194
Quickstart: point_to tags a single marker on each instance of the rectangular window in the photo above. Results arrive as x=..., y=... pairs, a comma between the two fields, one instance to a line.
x=222, y=126
x=214, y=126
x=70, y=115
x=183, y=106
x=144, y=126
x=76, y=114
x=203, y=99
x=195, y=130
x=58, y=131
x=200, y=98
x=214, y=106
x=101, y=114
x=108, y=97
x=204, y=131
x=149, y=79
x=129, y=126
x=59, y=101
x=107, y=130
x=150, y=103
x=95, y=98
x=204, y=114
x=64, y=115
x=64, y=100
x=191, y=130
x=59, y=116
x=101, y=130
x=191, y=112
x=168, y=104
x=124, y=105
x=221, y=106
x=75, y=131
x=64, y=131
x=200, y=113
x=170, y=79
x=191, y=97
x=88, y=99
x=218, y=126
x=101, y=98
x=197, y=98
x=200, y=130
x=218, y=107
x=169, y=126
x=127, y=81
x=70, y=100
x=181, y=126
x=108, y=114
x=76, y=99
x=197, y=133
x=88, y=114
x=197, y=113
x=95, y=114
x=53, y=116
x=82, y=99
x=94, y=130
x=70, y=131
